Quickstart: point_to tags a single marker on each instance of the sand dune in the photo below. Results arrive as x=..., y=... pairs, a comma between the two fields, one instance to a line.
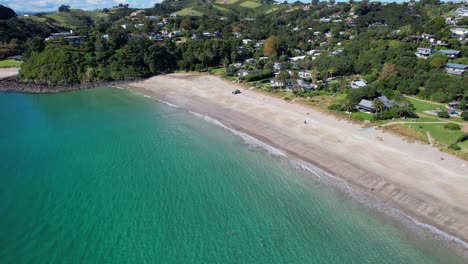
x=408, y=176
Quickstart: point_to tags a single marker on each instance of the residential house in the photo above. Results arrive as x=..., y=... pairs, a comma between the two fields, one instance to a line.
x=174, y=15
x=454, y=105
x=73, y=40
x=455, y=68
x=305, y=74
x=277, y=66
x=358, y=83
x=153, y=18
x=250, y=60
x=297, y=58
x=246, y=41
x=277, y=83
x=427, y=36
x=367, y=106
x=313, y=52
x=424, y=53
x=304, y=85
x=451, y=54
x=137, y=13
x=459, y=32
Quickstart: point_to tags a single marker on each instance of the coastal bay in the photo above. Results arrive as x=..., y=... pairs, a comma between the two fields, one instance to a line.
x=408, y=176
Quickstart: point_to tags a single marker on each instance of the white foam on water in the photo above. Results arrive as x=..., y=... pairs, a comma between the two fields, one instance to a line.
x=249, y=140
x=147, y=96
x=118, y=87
x=167, y=103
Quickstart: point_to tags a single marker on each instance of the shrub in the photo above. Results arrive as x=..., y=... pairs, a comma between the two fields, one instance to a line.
x=259, y=76
x=452, y=126
x=464, y=115
x=454, y=146
x=333, y=107
x=443, y=114
x=463, y=138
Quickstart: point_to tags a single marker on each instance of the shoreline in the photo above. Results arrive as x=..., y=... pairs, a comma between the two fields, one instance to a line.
x=436, y=199
x=9, y=83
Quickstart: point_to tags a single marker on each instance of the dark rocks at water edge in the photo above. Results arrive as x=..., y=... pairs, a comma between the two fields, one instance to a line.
x=12, y=84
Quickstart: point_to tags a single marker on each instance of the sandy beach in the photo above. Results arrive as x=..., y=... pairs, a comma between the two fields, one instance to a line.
x=408, y=176
x=7, y=72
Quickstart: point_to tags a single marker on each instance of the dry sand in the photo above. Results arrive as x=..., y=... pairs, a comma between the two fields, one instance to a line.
x=408, y=176
x=7, y=72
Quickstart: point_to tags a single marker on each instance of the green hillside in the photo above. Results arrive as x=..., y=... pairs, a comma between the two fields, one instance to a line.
x=251, y=8
x=73, y=19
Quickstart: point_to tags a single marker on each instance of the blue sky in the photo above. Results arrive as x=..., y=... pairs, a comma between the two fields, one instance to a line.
x=51, y=5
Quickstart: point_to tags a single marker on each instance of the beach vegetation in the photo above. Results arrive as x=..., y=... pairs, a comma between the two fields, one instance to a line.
x=454, y=147
x=443, y=114
x=452, y=126
x=464, y=115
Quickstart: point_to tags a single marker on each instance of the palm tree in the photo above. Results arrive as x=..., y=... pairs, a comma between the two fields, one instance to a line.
x=378, y=105
x=349, y=106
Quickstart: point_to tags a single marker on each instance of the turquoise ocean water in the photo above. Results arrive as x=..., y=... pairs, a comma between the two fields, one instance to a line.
x=108, y=176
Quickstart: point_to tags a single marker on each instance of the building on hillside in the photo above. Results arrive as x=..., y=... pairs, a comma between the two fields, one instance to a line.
x=459, y=32
x=424, y=53
x=73, y=40
x=451, y=54
x=455, y=68
x=358, y=83
x=278, y=66
x=427, y=36
x=305, y=74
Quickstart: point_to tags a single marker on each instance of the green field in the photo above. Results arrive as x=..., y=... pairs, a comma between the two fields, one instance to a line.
x=229, y=2
x=189, y=12
x=10, y=63
x=362, y=116
x=250, y=4
x=422, y=106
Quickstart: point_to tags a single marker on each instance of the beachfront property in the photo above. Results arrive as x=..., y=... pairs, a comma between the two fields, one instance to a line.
x=424, y=53
x=358, y=83
x=451, y=54
x=455, y=68
x=367, y=105
x=454, y=105
x=277, y=83
x=305, y=74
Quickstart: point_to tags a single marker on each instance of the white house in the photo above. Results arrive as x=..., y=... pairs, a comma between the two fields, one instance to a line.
x=305, y=74
x=358, y=83
x=424, y=53
x=455, y=68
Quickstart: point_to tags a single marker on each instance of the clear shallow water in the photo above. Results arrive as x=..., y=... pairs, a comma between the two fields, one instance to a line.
x=105, y=175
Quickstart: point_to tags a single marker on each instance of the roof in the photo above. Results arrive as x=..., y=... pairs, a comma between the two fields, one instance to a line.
x=359, y=83
x=449, y=52
x=365, y=103
x=456, y=66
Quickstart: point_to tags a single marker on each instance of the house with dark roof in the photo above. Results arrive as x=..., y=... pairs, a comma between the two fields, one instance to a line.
x=367, y=106
x=451, y=54
x=455, y=68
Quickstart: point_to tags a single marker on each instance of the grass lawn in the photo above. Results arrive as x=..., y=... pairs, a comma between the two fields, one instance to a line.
x=10, y=63
x=218, y=70
x=250, y=4
x=440, y=134
x=271, y=10
x=424, y=106
x=362, y=116
x=189, y=12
